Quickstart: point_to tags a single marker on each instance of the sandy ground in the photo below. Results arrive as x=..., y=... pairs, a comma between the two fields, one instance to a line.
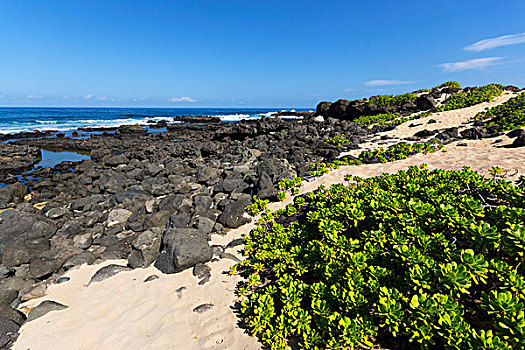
x=461, y=118
x=123, y=312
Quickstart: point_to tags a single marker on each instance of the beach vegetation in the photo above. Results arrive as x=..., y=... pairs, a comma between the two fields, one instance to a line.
x=428, y=259
x=388, y=119
x=509, y=115
x=395, y=152
x=338, y=141
x=392, y=100
x=451, y=84
x=473, y=96
x=286, y=184
x=257, y=206
x=281, y=196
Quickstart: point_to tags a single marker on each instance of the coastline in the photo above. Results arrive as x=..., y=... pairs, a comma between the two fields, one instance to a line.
x=50, y=121
x=217, y=328
x=192, y=177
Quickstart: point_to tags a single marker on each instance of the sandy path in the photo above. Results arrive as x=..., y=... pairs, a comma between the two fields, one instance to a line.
x=123, y=312
x=456, y=118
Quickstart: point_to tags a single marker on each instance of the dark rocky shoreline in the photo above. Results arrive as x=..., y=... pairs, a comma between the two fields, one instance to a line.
x=143, y=193
x=149, y=197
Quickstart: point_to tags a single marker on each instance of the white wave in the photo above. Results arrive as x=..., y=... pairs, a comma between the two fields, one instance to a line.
x=89, y=121
x=105, y=121
x=234, y=117
x=13, y=131
x=33, y=129
x=160, y=118
x=67, y=128
x=46, y=121
x=73, y=125
x=238, y=117
x=269, y=114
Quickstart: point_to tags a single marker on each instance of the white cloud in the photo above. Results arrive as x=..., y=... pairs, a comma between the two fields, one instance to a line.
x=476, y=63
x=96, y=97
x=65, y=98
x=183, y=99
x=388, y=82
x=349, y=90
x=504, y=40
x=139, y=99
x=32, y=97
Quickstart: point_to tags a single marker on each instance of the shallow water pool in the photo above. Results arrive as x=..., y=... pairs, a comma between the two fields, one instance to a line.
x=52, y=158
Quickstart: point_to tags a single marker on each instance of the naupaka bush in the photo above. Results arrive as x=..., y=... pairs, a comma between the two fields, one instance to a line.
x=417, y=259
x=509, y=115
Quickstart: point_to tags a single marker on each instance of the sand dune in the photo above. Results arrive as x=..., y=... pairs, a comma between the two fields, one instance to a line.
x=123, y=312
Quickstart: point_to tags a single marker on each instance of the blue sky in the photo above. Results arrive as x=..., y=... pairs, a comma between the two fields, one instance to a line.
x=250, y=53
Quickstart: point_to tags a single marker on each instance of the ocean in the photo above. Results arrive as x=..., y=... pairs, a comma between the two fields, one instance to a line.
x=17, y=119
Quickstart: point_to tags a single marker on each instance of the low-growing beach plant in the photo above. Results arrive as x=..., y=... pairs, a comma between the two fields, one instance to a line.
x=473, y=96
x=521, y=182
x=392, y=100
x=318, y=169
x=286, y=184
x=395, y=152
x=338, y=141
x=257, y=206
x=509, y=115
x=452, y=84
x=387, y=119
x=281, y=196
x=427, y=259
x=398, y=151
x=379, y=119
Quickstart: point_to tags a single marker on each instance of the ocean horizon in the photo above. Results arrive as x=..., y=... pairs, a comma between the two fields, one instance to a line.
x=67, y=119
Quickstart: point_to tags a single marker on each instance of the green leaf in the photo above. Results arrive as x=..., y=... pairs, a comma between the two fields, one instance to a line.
x=414, y=302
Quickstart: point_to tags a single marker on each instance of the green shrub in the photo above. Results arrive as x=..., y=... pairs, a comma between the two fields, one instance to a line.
x=521, y=182
x=398, y=151
x=387, y=119
x=338, y=141
x=452, y=84
x=380, y=119
x=418, y=259
x=473, y=97
x=281, y=196
x=395, y=152
x=392, y=100
x=257, y=206
x=509, y=115
x=286, y=184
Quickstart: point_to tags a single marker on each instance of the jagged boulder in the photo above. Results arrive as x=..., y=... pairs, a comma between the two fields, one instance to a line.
x=233, y=214
x=425, y=102
x=182, y=249
x=323, y=108
x=145, y=248
x=519, y=141
x=23, y=236
x=12, y=192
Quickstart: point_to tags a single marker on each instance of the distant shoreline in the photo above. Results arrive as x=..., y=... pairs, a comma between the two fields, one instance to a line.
x=15, y=120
